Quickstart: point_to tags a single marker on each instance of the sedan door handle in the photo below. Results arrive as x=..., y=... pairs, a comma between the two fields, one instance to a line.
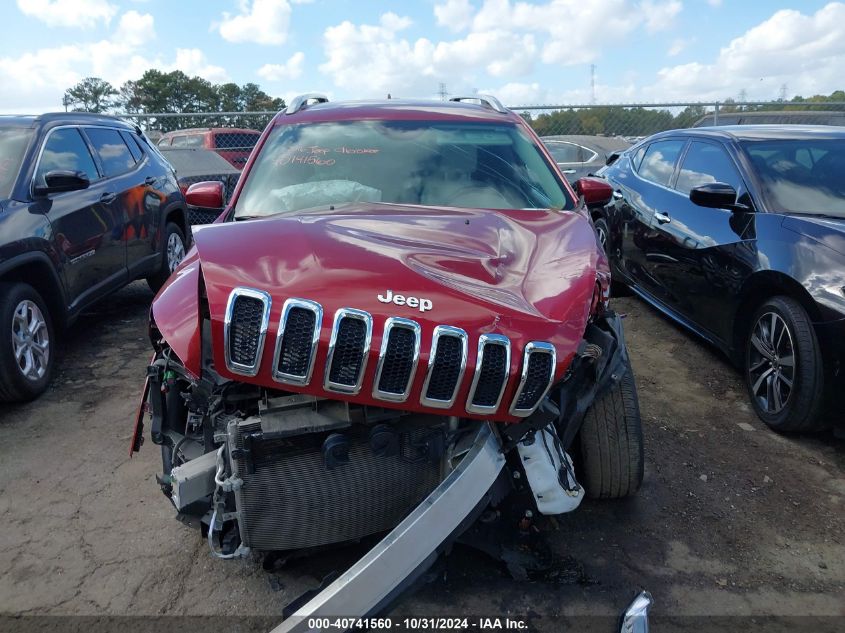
x=617, y=195
x=108, y=198
x=567, y=171
x=150, y=180
x=662, y=217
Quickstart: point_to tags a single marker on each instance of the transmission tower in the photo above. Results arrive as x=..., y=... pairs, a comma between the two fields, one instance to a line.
x=443, y=92
x=592, y=83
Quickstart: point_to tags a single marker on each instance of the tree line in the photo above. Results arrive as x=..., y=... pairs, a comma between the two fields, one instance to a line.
x=177, y=93
x=640, y=121
x=174, y=92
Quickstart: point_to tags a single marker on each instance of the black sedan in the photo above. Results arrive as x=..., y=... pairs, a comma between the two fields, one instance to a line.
x=738, y=233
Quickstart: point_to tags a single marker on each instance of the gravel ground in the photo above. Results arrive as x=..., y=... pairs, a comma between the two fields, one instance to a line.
x=732, y=520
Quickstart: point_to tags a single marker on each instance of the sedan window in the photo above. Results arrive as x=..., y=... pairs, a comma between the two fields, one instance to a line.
x=789, y=185
x=66, y=150
x=659, y=161
x=570, y=153
x=705, y=163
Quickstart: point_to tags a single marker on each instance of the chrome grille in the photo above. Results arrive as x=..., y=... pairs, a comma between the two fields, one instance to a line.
x=491, y=373
x=297, y=341
x=397, y=364
x=348, y=350
x=446, y=365
x=245, y=327
x=538, y=368
x=298, y=338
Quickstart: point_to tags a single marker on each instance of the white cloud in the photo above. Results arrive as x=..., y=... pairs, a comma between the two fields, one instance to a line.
x=455, y=15
x=40, y=77
x=398, y=65
x=518, y=93
x=807, y=52
x=260, y=21
x=375, y=52
x=660, y=16
x=135, y=29
x=71, y=13
x=291, y=69
x=576, y=31
x=678, y=46
x=192, y=61
x=715, y=3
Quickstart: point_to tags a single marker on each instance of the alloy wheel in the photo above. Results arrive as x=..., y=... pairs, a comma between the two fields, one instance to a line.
x=771, y=363
x=175, y=251
x=30, y=340
x=602, y=236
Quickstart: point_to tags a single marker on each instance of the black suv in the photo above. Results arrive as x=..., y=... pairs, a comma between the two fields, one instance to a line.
x=87, y=205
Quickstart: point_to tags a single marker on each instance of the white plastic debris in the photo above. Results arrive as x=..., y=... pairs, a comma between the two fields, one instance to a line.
x=550, y=473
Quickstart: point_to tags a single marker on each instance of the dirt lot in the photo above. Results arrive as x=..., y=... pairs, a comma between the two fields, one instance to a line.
x=732, y=520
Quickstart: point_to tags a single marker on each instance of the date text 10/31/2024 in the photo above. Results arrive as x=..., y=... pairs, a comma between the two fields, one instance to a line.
x=419, y=623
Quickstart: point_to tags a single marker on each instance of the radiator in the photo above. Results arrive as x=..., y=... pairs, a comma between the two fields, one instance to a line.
x=289, y=500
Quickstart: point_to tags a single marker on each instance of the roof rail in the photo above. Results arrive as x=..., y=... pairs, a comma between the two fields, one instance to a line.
x=488, y=101
x=299, y=102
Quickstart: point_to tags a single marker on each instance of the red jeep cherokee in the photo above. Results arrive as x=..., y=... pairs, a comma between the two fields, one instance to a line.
x=388, y=280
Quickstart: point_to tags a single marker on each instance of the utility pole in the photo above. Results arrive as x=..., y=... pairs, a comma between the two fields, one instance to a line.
x=592, y=83
x=442, y=92
x=782, y=96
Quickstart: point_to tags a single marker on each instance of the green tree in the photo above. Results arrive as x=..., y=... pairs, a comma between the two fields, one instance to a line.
x=92, y=94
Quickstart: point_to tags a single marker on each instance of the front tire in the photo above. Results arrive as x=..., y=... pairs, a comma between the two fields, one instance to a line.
x=602, y=232
x=611, y=437
x=784, y=371
x=27, y=343
x=173, y=252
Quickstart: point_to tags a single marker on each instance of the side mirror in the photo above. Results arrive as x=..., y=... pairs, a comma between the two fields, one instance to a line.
x=208, y=195
x=594, y=190
x=716, y=195
x=60, y=180
x=612, y=158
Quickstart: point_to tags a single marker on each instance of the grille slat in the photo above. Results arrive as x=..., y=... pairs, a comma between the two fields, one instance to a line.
x=400, y=351
x=491, y=373
x=348, y=350
x=247, y=319
x=538, y=366
x=446, y=365
x=297, y=341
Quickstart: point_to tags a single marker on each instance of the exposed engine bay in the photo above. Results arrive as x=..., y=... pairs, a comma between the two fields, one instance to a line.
x=270, y=470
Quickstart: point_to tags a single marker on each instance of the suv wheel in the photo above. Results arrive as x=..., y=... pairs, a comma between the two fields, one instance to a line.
x=27, y=352
x=612, y=443
x=783, y=366
x=172, y=255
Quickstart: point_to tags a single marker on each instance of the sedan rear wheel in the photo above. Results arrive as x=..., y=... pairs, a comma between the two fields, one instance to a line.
x=783, y=366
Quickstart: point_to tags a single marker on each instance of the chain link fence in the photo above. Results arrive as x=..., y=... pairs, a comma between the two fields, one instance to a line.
x=230, y=134
x=216, y=145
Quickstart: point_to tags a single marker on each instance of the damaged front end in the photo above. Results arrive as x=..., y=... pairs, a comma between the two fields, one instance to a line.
x=272, y=470
x=300, y=414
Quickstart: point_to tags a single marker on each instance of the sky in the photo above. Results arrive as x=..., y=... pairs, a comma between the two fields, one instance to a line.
x=526, y=53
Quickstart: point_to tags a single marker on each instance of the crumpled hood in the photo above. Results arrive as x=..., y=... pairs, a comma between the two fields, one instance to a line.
x=529, y=275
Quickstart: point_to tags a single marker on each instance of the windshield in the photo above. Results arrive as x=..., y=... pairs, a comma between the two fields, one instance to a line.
x=471, y=165
x=801, y=175
x=13, y=142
